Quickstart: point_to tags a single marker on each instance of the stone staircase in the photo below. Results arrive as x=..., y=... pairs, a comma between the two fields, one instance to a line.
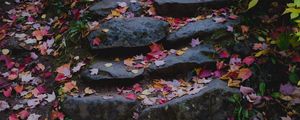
x=124, y=55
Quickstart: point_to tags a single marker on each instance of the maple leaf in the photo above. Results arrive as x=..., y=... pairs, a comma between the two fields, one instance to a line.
x=195, y=42
x=245, y=29
x=50, y=97
x=69, y=86
x=39, y=34
x=233, y=17
x=249, y=60
x=94, y=71
x=3, y=105
x=65, y=70
x=244, y=73
x=89, y=91
x=96, y=41
x=78, y=67
x=7, y=92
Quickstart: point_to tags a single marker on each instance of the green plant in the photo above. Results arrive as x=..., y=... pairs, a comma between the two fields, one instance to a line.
x=240, y=111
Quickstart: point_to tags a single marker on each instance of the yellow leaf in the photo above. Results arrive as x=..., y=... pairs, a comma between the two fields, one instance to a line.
x=298, y=83
x=260, y=53
x=252, y=3
x=115, y=13
x=233, y=83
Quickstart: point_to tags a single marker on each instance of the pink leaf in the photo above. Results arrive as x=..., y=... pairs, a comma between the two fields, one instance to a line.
x=224, y=54
x=7, y=92
x=195, y=42
x=96, y=41
x=249, y=60
x=246, y=90
x=131, y=96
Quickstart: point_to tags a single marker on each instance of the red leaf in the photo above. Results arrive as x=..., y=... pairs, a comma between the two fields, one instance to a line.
x=8, y=62
x=249, y=60
x=155, y=47
x=96, y=41
x=24, y=114
x=296, y=58
x=131, y=96
x=137, y=88
x=60, y=77
x=7, y=92
x=224, y=54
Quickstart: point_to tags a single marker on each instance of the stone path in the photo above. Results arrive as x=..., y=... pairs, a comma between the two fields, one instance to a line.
x=133, y=34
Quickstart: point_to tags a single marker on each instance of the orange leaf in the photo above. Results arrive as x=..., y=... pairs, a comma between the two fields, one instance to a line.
x=245, y=73
x=19, y=88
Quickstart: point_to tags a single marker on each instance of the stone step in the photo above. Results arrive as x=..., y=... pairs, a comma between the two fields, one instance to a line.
x=129, y=33
x=210, y=103
x=104, y=7
x=187, y=8
x=202, y=28
x=99, y=108
x=193, y=57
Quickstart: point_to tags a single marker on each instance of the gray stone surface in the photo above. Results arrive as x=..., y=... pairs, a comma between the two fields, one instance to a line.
x=130, y=32
x=97, y=108
x=199, y=28
x=209, y=104
x=174, y=64
x=186, y=8
x=104, y=7
x=192, y=58
x=116, y=71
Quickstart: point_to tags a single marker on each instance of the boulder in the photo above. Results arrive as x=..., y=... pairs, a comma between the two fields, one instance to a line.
x=187, y=8
x=129, y=33
x=211, y=103
x=198, y=29
x=98, y=108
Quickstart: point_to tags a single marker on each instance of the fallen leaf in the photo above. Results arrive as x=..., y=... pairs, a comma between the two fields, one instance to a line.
x=195, y=42
x=24, y=114
x=89, y=91
x=131, y=96
x=5, y=51
x=69, y=86
x=94, y=71
x=96, y=41
x=3, y=105
x=78, y=67
x=244, y=73
x=33, y=117
x=65, y=70
x=51, y=97
x=287, y=89
x=39, y=34
x=219, y=19
x=155, y=47
x=19, y=88
x=7, y=92
x=249, y=60
x=159, y=62
x=246, y=90
x=108, y=64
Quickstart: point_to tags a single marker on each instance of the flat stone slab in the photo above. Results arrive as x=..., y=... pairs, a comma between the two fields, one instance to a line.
x=199, y=28
x=129, y=32
x=187, y=8
x=104, y=7
x=116, y=71
x=98, y=108
x=209, y=104
x=174, y=64
x=192, y=58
